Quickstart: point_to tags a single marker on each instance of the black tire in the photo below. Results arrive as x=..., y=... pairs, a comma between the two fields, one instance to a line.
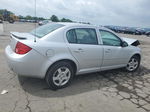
x=138, y=60
x=11, y=21
x=53, y=69
x=148, y=35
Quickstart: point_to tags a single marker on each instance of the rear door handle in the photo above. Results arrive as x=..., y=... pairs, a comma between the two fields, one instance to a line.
x=108, y=51
x=79, y=50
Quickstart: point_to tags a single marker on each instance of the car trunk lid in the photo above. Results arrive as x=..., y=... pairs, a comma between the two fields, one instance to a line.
x=16, y=36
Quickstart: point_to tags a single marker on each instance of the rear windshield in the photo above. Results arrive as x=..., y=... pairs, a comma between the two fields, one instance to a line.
x=45, y=29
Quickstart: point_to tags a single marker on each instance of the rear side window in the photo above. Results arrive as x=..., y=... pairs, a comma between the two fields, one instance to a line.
x=45, y=29
x=71, y=36
x=82, y=36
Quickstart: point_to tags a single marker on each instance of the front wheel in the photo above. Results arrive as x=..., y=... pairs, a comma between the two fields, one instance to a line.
x=133, y=64
x=59, y=75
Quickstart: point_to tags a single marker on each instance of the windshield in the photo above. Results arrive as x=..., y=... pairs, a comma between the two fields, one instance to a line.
x=45, y=29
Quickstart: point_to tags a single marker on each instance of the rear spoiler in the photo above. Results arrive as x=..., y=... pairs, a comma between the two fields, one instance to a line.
x=17, y=35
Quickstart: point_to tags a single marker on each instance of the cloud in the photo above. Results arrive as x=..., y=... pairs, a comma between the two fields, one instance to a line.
x=102, y=12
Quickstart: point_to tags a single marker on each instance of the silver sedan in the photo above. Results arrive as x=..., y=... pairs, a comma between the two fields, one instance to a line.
x=58, y=51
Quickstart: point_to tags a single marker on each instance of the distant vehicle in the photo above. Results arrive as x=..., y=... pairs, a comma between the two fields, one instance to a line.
x=147, y=30
x=122, y=29
x=141, y=31
x=148, y=33
x=43, y=22
x=1, y=21
x=31, y=21
x=28, y=20
x=63, y=50
x=132, y=30
x=22, y=20
x=117, y=29
x=111, y=28
x=128, y=30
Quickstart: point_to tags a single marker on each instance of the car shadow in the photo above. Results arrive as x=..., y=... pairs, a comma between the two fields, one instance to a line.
x=88, y=82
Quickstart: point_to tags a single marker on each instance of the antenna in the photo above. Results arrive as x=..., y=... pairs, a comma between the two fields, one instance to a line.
x=35, y=20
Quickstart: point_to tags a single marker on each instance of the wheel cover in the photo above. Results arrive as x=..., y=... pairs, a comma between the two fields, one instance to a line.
x=132, y=64
x=61, y=76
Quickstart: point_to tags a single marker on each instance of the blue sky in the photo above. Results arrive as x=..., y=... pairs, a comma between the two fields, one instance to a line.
x=100, y=12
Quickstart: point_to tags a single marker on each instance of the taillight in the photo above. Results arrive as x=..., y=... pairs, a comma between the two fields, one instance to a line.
x=22, y=48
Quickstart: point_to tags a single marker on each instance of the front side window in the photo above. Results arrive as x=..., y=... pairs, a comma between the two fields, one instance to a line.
x=82, y=36
x=109, y=38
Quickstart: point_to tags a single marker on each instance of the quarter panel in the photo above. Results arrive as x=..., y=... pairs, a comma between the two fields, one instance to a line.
x=60, y=53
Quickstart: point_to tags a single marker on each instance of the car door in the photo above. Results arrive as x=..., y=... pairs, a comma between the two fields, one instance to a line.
x=83, y=45
x=114, y=54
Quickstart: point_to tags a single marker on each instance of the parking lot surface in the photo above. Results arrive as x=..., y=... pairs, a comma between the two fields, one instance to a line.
x=108, y=91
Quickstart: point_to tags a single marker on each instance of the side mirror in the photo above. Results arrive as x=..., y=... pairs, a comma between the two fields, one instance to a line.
x=124, y=44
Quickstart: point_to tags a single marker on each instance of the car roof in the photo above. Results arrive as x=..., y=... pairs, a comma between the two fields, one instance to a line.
x=73, y=24
x=69, y=24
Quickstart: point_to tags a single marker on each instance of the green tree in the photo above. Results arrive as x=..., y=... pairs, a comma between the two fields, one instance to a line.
x=34, y=18
x=28, y=17
x=21, y=17
x=65, y=20
x=54, y=18
x=41, y=18
x=5, y=11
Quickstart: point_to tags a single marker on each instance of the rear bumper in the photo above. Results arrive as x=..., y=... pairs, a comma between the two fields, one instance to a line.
x=29, y=64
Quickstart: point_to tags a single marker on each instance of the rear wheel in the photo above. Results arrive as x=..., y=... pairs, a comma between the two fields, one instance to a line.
x=59, y=75
x=133, y=64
